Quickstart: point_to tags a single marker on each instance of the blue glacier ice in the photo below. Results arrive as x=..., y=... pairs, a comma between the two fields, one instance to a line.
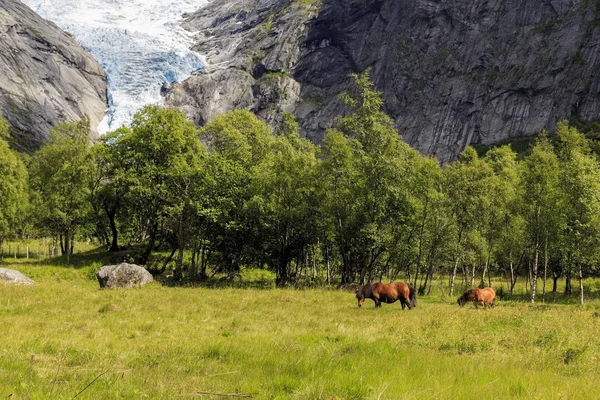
x=140, y=43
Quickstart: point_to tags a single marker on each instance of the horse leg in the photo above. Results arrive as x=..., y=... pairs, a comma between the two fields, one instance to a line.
x=376, y=300
x=406, y=302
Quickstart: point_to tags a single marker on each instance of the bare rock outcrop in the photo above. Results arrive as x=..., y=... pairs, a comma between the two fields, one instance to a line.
x=123, y=276
x=452, y=72
x=252, y=47
x=46, y=76
x=14, y=277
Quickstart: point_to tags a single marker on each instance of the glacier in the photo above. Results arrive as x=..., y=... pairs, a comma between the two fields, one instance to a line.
x=140, y=44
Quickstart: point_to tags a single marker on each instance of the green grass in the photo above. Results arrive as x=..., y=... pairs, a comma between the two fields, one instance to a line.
x=166, y=342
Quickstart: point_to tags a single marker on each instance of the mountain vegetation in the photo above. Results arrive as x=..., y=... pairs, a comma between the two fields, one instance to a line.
x=362, y=206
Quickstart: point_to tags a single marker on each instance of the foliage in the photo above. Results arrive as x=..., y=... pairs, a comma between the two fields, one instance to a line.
x=60, y=183
x=13, y=187
x=154, y=165
x=361, y=206
x=368, y=177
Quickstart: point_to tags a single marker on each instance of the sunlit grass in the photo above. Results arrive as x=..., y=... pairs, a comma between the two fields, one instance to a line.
x=166, y=342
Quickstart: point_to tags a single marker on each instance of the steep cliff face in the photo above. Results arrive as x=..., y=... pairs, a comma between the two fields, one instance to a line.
x=452, y=72
x=46, y=76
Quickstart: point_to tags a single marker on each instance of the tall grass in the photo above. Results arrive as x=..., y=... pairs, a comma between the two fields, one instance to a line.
x=64, y=334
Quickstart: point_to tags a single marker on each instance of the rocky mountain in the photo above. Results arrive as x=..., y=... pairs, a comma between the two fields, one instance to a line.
x=46, y=76
x=452, y=72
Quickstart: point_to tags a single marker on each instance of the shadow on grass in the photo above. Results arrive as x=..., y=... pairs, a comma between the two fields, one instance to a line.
x=94, y=257
x=221, y=283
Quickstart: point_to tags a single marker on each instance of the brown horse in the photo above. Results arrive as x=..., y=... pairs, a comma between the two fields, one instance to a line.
x=388, y=293
x=479, y=297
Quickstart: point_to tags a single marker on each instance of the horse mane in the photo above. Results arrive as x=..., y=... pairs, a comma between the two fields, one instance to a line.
x=366, y=290
x=467, y=296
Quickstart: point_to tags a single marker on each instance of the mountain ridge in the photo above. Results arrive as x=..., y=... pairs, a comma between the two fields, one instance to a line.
x=452, y=73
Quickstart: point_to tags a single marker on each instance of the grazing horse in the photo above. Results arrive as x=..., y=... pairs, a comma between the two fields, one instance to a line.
x=479, y=297
x=387, y=293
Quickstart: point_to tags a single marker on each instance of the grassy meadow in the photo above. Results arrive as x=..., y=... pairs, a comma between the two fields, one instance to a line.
x=64, y=338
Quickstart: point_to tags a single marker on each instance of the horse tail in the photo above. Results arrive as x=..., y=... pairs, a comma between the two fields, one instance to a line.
x=412, y=296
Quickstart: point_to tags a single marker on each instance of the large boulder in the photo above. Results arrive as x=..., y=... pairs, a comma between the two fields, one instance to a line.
x=14, y=277
x=123, y=276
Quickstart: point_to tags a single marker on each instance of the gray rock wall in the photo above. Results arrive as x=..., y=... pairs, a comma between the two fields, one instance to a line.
x=46, y=76
x=452, y=72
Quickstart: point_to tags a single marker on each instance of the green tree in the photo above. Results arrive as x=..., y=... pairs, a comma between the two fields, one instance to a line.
x=432, y=218
x=285, y=201
x=540, y=178
x=367, y=171
x=580, y=184
x=107, y=195
x=465, y=183
x=238, y=143
x=60, y=181
x=13, y=186
x=154, y=164
x=500, y=196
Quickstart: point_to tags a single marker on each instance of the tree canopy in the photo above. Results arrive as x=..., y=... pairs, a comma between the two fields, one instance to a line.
x=358, y=207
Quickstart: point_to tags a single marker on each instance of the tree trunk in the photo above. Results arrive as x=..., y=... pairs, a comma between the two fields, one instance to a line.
x=454, y=275
x=165, y=263
x=419, y=257
x=67, y=246
x=487, y=266
x=511, y=288
x=281, y=270
x=428, y=278
x=146, y=254
x=204, y=255
x=111, y=213
x=62, y=245
x=580, y=276
x=534, y=272
x=178, y=273
x=283, y=260
x=545, y=269
x=555, y=277
x=568, y=283
x=327, y=263
x=458, y=255
x=194, y=264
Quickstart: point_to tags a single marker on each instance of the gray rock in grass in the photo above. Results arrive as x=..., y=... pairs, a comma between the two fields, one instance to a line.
x=14, y=277
x=123, y=276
